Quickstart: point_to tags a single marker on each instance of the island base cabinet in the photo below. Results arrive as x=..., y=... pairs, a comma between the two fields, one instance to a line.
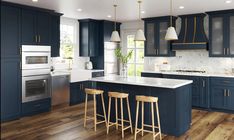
x=174, y=106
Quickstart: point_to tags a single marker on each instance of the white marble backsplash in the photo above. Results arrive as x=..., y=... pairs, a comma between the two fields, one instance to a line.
x=192, y=60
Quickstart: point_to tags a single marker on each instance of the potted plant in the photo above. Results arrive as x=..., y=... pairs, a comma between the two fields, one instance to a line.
x=124, y=60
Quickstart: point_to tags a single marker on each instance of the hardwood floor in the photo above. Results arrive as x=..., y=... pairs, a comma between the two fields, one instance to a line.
x=66, y=123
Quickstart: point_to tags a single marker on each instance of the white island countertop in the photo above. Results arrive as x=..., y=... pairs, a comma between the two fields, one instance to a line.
x=143, y=81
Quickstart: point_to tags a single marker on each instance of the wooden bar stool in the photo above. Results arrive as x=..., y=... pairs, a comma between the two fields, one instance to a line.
x=94, y=92
x=151, y=100
x=120, y=96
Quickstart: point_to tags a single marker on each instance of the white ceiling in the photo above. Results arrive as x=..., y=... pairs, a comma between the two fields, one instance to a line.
x=127, y=9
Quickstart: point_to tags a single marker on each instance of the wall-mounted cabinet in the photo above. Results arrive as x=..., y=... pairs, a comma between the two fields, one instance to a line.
x=155, y=32
x=89, y=37
x=221, y=33
x=36, y=27
x=55, y=34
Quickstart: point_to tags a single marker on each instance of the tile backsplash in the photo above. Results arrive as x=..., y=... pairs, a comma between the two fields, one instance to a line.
x=192, y=60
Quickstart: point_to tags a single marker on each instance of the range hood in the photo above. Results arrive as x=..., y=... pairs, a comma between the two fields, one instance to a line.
x=192, y=34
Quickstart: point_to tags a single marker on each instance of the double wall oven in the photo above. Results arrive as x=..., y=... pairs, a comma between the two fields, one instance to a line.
x=36, y=77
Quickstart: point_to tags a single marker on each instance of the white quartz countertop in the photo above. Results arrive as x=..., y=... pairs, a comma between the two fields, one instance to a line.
x=144, y=81
x=229, y=75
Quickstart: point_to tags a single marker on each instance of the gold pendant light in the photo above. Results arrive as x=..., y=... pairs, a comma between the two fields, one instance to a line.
x=140, y=36
x=115, y=35
x=171, y=32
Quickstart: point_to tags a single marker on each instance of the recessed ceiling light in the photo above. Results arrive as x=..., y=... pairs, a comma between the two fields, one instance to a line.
x=34, y=0
x=79, y=10
x=228, y=1
x=109, y=16
x=181, y=7
x=142, y=12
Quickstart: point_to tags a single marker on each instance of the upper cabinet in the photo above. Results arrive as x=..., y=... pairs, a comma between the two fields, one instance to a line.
x=89, y=37
x=36, y=27
x=155, y=32
x=55, y=34
x=221, y=33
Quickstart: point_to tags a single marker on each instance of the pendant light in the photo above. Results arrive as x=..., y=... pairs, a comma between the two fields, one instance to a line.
x=171, y=32
x=140, y=36
x=115, y=35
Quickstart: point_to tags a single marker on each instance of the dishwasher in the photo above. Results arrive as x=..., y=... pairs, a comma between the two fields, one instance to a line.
x=60, y=89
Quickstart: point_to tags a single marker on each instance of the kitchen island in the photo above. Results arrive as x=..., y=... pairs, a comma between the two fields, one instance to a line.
x=174, y=100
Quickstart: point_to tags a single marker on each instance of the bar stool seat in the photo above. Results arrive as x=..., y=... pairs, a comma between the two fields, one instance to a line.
x=94, y=92
x=121, y=96
x=152, y=101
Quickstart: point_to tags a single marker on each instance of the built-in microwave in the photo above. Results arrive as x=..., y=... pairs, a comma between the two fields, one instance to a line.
x=36, y=57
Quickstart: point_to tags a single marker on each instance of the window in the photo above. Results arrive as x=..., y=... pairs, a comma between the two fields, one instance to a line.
x=136, y=64
x=67, y=41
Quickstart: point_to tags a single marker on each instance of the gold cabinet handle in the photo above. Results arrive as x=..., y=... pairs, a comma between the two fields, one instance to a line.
x=225, y=93
x=224, y=51
x=36, y=38
x=228, y=93
x=39, y=38
x=203, y=82
x=228, y=51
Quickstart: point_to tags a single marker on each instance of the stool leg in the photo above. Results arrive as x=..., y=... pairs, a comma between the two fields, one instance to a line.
x=104, y=110
x=142, y=116
x=137, y=110
x=108, y=122
x=152, y=111
x=116, y=113
x=122, y=124
x=129, y=115
x=85, y=115
x=158, y=118
x=95, y=113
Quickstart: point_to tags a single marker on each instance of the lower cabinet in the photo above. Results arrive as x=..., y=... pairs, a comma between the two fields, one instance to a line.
x=35, y=107
x=10, y=89
x=200, y=89
x=77, y=93
x=222, y=97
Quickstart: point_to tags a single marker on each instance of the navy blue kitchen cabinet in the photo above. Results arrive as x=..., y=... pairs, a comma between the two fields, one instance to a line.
x=35, y=107
x=77, y=91
x=55, y=34
x=89, y=37
x=10, y=31
x=10, y=89
x=36, y=27
x=155, y=32
x=222, y=93
x=221, y=36
x=10, y=62
x=154, y=75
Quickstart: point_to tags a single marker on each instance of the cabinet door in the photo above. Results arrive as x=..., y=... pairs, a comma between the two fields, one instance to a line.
x=150, y=49
x=28, y=23
x=55, y=36
x=218, y=98
x=217, y=36
x=230, y=99
x=10, y=32
x=84, y=39
x=93, y=38
x=204, y=92
x=231, y=39
x=10, y=89
x=43, y=28
x=76, y=93
x=163, y=44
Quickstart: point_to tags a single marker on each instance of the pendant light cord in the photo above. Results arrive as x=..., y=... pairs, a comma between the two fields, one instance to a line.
x=115, y=6
x=171, y=12
x=139, y=2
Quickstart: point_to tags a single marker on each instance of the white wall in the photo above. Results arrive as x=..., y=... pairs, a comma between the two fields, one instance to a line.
x=78, y=62
x=190, y=59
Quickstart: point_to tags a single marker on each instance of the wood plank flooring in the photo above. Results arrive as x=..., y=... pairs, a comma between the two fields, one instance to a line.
x=66, y=123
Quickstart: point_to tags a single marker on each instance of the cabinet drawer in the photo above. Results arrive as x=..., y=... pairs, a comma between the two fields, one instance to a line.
x=222, y=81
x=35, y=107
x=97, y=74
x=156, y=75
